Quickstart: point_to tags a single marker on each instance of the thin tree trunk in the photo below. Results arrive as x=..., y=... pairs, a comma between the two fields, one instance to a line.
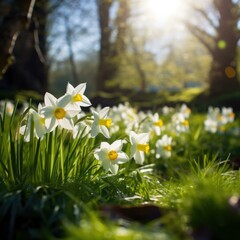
x=105, y=45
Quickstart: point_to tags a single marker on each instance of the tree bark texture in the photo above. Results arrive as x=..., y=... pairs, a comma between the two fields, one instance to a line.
x=29, y=69
x=16, y=20
x=111, y=48
x=223, y=75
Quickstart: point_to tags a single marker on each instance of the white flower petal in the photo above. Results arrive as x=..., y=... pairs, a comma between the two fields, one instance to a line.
x=51, y=124
x=48, y=112
x=122, y=157
x=133, y=150
x=66, y=123
x=143, y=138
x=72, y=113
x=85, y=102
x=49, y=99
x=106, y=164
x=116, y=145
x=104, y=112
x=40, y=130
x=70, y=88
x=95, y=115
x=104, y=145
x=22, y=129
x=39, y=107
x=113, y=168
x=95, y=130
x=104, y=131
x=100, y=154
x=139, y=157
x=132, y=137
x=64, y=100
x=81, y=88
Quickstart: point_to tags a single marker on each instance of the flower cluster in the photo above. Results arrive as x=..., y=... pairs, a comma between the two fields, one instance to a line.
x=56, y=112
x=218, y=118
x=138, y=133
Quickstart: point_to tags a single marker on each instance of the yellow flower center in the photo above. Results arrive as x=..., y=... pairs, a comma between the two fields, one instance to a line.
x=143, y=147
x=168, y=148
x=42, y=121
x=185, y=123
x=187, y=110
x=112, y=155
x=231, y=115
x=60, y=113
x=77, y=98
x=105, y=122
x=158, y=123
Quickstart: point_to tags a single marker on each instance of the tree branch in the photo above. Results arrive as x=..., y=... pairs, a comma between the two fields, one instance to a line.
x=202, y=36
x=205, y=15
x=15, y=22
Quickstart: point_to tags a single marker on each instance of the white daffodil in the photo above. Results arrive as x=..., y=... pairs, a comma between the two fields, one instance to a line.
x=185, y=110
x=164, y=147
x=157, y=123
x=111, y=155
x=39, y=125
x=211, y=125
x=180, y=122
x=227, y=115
x=101, y=122
x=129, y=117
x=167, y=110
x=139, y=146
x=213, y=113
x=58, y=112
x=6, y=106
x=25, y=129
x=77, y=95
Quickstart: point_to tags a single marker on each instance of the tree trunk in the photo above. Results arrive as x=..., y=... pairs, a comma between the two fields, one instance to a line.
x=29, y=70
x=104, y=66
x=111, y=49
x=14, y=22
x=223, y=75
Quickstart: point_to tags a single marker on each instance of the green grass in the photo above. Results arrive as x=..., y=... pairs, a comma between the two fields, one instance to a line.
x=55, y=189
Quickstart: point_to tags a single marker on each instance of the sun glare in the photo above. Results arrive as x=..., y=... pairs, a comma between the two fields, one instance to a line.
x=164, y=10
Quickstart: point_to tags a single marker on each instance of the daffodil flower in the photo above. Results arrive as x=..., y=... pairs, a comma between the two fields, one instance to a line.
x=139, y=146
x=77, y=95
x=227, y=115
x=164, y=147
x=111, y=155
x=39, y=125
x=157, y=123
x=180, y=122
x=185, y=110
x=6, y=106
x=211, y=125
x=101, y=123
x=58, y=112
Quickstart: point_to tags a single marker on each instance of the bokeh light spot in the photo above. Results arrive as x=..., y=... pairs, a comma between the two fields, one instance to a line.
x=221, y=44
x=230, y=72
